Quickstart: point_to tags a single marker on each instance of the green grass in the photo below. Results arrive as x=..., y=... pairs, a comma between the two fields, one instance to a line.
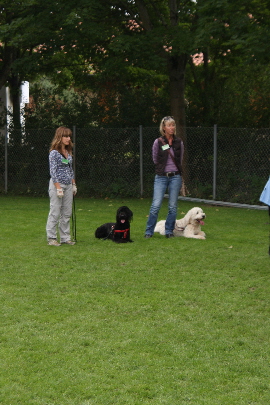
x=157, y=321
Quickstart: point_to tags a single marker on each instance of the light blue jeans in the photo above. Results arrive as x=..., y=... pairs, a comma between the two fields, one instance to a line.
x=161, y=183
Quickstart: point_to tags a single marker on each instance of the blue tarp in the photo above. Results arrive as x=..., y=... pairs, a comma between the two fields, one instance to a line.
x=265, y=196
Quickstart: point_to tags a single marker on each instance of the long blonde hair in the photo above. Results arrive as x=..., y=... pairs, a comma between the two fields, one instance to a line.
x=57, y=140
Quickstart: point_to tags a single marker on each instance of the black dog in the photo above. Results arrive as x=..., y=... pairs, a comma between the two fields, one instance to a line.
x=118, y=231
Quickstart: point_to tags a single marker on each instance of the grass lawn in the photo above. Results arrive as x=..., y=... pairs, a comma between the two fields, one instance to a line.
x=158, y=321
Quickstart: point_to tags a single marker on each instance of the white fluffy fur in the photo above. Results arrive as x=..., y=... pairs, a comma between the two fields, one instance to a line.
x=189, y=226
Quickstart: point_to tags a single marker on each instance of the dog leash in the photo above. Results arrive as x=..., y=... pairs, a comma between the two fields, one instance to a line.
x=74, y=231
x=180, y=228
x=109, y=233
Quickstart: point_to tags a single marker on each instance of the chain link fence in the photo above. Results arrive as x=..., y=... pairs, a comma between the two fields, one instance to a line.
x=230, y=165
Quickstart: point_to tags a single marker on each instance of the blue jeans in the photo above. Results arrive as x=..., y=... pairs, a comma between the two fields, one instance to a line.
x=161, y=183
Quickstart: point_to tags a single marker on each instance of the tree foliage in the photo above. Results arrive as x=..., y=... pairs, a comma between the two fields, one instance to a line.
x=143, y=49
x=28, y=33
x=108, y=107
x=161, y=37
x=235, y=65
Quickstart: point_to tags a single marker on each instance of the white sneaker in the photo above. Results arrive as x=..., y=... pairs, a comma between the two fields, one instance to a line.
x=68, y=242
x=53, y=242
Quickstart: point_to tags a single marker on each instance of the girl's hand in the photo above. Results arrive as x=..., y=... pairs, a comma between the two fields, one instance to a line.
x=60, y=192
x=74, y=189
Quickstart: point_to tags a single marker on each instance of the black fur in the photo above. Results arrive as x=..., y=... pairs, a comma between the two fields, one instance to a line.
x=118, y=231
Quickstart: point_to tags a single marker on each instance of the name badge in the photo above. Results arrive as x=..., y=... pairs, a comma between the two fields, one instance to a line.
x=65, y=161
x=165, y=147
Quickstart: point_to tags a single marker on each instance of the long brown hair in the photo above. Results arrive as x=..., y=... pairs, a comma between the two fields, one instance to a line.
x=57, y=140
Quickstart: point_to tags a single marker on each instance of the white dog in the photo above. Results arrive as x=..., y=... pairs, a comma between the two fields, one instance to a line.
x=189, y=226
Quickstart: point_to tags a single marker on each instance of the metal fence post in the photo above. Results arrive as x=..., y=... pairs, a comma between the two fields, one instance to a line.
x=141, y=158
x=74, y=150
x=215, y=163
x=6, y=160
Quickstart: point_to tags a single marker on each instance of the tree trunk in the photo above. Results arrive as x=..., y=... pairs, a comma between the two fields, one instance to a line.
x=9, y=56
x=15, y=83
x=176, y=71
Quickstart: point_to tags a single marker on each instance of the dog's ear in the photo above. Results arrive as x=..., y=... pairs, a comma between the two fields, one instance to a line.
x=187, y=218
x=117, y=213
